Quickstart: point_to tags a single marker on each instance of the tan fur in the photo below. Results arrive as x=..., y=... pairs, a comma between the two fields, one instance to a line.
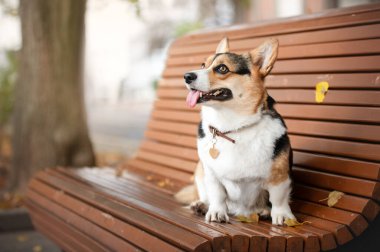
x=280, y=169
x=189, y=193
x=250, y=88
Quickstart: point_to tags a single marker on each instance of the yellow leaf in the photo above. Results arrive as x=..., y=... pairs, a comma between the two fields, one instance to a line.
x=37, y=248
x=321, y=90
x=294, y=222
x=334, y=197
x=253, y=218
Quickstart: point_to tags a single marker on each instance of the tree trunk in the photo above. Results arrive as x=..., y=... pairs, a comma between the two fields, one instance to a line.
x=49, y=123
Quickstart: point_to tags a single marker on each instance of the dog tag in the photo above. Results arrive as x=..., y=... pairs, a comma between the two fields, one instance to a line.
x=214, y=153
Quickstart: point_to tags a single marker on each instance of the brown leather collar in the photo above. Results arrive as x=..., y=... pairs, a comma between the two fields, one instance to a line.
x=215, y=132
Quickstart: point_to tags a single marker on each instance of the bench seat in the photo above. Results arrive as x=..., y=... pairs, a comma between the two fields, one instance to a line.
x=336, y=147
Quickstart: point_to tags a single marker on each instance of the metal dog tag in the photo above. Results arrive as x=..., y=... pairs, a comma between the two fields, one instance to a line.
x=214, y=153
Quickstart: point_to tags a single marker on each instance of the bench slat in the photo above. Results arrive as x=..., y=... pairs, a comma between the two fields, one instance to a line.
x=302, y=66
x=66, y=236
x=336, y=81
x=338, y=97
x=313, y=49
x=171, y=110
x=103, y=219
x=290, y=25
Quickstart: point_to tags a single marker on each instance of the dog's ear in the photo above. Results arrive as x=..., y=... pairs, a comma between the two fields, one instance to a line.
x=223, y=46
x=264, y=56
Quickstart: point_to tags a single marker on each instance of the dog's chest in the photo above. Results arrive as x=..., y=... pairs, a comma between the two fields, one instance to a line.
x=249, y=157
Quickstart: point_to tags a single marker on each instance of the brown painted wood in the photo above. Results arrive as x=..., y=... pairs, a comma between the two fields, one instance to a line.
x=159, y=169
x=64, y=234
x=350, y=97
x=135, y=208
x=355, y=222
x=290, y=25
x=302, y=47
x=83, y=225
x=336, y=146
x=336, y=81
x=165, y=110
x=354, y=186
x=103, y=219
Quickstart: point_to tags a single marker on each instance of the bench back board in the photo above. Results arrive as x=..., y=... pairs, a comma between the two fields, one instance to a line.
x=336, y=143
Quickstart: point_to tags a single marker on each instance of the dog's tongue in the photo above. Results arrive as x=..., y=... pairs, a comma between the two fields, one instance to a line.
x=192, y=98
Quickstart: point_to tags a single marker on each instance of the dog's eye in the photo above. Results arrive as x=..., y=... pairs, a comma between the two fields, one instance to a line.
x=222, y=69
x=203, y=65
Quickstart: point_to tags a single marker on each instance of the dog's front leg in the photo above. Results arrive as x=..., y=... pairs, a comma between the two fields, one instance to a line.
x=279, y=197
x=216, y=194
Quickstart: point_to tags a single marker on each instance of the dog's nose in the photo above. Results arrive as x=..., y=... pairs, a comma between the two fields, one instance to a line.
x=189, y=77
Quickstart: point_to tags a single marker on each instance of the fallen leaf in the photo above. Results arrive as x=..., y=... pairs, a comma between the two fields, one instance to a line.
x=294, y=222
x=334, y=197
x=161, y=183
x=321, y=90
x=253, y=218
x=37, y=248
x=22, y=238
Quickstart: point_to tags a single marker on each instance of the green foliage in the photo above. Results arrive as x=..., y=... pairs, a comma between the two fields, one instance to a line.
x=7, y=83
x=186, y=27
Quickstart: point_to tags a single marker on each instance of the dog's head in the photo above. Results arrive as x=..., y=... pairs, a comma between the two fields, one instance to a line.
x=235, y=81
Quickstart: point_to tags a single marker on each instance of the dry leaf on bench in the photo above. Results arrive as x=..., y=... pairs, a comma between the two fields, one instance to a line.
x=321, y=91
x=294, y=222
x=253, y=218
x=333, y=198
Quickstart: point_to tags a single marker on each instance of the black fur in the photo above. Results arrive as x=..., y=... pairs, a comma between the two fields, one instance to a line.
x=241, y=63
x=201, y=133
x=280, y=145
x=272, y=111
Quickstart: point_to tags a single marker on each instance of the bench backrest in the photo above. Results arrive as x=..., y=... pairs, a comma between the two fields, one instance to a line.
x=336, y=143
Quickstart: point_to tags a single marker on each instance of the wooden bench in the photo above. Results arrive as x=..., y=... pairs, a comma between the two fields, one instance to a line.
x=336, y=147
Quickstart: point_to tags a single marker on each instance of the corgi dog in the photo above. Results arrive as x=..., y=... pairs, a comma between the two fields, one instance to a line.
x=243, y=146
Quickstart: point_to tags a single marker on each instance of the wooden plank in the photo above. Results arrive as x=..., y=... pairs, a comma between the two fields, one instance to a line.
x=356, y=223
x=347, y=202
x=185, y=128
x=328, y=181
x=290, y=47
x=137, y=213
x=357, y=132
x=170, y=150
x=284, y=81
x=175, y=116
x=177, y=163
x=156, y=198
x=88, y=228
x=283, y=26
x=107, y=221
x=159, y=169
x=302, y=66
x=341, y=232
x=171, y=110
x=365, y=151
x=337, y=165
x=338, y=97
x=61, y=232
x=175, y=139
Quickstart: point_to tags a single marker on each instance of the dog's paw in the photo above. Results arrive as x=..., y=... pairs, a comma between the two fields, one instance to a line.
x=279, y=214
x=217, y=215
x=199, y=208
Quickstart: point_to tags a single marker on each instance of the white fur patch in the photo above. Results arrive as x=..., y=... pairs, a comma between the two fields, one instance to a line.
x=234, y=179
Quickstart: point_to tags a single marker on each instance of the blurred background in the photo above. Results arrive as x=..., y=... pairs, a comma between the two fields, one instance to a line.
x=78, y=80
x=124, y=49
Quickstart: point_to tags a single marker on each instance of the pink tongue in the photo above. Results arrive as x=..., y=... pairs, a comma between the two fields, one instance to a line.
x=192, y=98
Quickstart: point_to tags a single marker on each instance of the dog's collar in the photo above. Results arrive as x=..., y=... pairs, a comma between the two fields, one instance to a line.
x=215, y=132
